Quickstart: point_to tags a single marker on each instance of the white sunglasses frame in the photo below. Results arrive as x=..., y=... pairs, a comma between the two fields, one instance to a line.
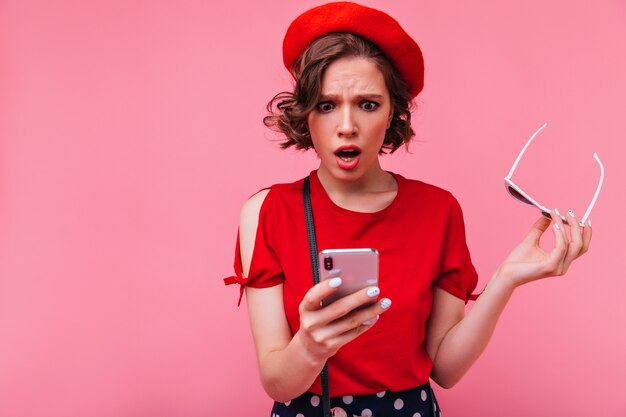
x=508, y=183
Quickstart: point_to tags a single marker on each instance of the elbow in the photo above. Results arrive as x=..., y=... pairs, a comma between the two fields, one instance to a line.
x=276, y=391
x=447, y=373
x=278, y=398
x=446, y=380
x=445, y=383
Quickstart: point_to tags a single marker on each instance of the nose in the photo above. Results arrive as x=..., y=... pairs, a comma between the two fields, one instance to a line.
x=347, y=124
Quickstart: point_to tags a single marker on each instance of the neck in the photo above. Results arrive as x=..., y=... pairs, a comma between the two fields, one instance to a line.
x=369, y=193
x=376, y=180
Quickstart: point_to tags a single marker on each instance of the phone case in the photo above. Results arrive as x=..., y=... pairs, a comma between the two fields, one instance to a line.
x=358, y=268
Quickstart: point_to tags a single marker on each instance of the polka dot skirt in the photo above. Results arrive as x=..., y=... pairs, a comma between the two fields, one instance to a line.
x=414, y=402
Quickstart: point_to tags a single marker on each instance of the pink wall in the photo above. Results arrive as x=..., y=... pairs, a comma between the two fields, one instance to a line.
x=130, y=135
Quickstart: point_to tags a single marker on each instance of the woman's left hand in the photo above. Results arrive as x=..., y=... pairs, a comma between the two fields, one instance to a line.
x=529, y=262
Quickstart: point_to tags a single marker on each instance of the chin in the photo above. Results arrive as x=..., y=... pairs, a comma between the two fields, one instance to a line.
x=348, y=175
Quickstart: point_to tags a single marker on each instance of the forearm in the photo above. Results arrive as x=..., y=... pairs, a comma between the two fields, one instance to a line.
x=289, y=372
x=288, y=363
x=454, y=351
x=465, y=342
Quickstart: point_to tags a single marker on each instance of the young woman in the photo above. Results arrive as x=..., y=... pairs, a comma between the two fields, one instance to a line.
x=356, y=71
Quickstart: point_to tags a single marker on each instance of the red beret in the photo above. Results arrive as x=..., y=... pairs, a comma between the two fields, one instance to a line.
x=371, y=24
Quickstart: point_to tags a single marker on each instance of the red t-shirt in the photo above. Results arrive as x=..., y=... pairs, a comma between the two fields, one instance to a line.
x=420, y=237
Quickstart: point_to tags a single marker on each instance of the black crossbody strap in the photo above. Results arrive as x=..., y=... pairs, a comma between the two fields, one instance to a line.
x=310, y=230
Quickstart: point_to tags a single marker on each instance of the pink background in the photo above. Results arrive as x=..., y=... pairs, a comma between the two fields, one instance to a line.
x=130, y=135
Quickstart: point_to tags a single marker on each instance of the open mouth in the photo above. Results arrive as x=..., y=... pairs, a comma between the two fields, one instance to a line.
x=348, y=155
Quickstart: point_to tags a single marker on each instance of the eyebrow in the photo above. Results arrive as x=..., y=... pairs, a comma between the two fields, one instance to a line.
x=359, y=96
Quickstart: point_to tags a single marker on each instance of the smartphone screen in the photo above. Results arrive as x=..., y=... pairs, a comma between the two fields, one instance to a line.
x=357, y=267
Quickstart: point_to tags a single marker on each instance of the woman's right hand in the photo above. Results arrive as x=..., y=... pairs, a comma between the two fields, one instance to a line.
x=324, y=329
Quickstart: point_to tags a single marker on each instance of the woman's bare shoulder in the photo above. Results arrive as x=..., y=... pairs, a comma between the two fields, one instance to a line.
x=252, y=207
x=248, y=224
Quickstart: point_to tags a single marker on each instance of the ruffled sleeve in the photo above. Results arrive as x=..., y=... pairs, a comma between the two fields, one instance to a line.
x=265, y=269
x=457, y=273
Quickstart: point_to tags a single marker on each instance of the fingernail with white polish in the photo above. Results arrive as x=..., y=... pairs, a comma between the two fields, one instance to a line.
x=370, y=321
x=334, y=283
x=556, y=210
x=385, y=303
x=571, y=213
x=373, y=291
x=556, y=226
x=589, y=222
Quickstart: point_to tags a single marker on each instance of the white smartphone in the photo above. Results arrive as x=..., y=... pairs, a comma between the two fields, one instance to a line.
x=358, y=268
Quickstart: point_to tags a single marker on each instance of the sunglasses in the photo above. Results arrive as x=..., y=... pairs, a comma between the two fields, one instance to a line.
x=518, y=194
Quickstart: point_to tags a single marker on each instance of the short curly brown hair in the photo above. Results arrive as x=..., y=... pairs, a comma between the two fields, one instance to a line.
x=288, y=112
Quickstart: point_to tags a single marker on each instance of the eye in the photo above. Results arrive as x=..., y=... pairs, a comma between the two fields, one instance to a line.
x=369, y=105
x=325, y=107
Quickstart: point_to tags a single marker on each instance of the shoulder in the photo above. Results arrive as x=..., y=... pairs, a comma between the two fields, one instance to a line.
x=256, y=209
x=417, y=189
x=253, y=207
x=439, y=205
x=248, y=224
